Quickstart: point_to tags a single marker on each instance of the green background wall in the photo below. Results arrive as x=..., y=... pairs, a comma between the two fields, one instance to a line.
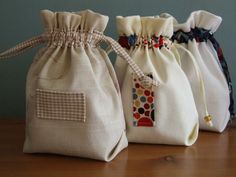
x=20, y=20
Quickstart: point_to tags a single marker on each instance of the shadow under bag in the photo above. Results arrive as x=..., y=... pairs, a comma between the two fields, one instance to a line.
x=73, y=99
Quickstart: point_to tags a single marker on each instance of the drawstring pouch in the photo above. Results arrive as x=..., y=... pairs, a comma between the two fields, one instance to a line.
x=73, y=98
x=197, y=36
x=158, y=115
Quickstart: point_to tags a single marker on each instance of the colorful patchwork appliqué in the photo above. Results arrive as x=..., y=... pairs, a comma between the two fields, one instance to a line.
x=143, y=104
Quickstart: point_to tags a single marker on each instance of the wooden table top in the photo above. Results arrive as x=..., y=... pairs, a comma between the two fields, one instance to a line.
x=213, y=155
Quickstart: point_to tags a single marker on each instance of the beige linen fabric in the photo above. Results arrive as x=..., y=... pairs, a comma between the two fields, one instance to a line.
x=73, y=98
x=216, y=88
x=72, y=63
x=176, y=117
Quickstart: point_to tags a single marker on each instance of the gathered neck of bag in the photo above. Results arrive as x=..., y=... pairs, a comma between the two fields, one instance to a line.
x=149, y=42
x=72, y=38
x=75, y=39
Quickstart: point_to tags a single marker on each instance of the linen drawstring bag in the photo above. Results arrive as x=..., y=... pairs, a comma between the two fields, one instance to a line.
x=73, y=99
x=165, y=114
x=196, y=35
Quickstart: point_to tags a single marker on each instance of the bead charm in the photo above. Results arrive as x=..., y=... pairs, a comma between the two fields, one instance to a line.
x=208, y=120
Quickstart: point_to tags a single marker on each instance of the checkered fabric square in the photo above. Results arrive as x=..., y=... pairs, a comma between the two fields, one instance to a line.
x=60, y=105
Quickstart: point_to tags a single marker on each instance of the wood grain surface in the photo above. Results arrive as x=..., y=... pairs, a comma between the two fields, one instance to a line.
x=213, y=155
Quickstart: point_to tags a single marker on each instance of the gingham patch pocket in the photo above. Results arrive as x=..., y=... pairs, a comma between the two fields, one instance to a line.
x=59, y=105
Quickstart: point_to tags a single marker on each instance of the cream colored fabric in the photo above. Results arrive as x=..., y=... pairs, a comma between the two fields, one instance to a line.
x=176, y=118
x=73, y=63
x=216, y=88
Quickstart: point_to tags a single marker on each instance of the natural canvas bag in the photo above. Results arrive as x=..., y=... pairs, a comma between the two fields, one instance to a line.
x=196, y=35
x=73, y=100
x=165, y=114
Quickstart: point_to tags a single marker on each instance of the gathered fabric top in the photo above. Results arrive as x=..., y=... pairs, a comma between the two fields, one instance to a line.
x=73, y=28
x=86, y=20
x=144, y=26
x=200, y=19
x=151, y=32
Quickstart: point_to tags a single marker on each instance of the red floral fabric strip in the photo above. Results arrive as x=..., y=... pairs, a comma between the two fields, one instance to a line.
x=133, y=40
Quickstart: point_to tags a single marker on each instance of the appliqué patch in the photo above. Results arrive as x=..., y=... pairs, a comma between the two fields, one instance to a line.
x=57, y=105
x=143, y=104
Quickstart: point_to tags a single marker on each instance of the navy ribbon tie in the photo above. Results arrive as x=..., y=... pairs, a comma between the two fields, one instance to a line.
x=202, y=35
x=225, y=71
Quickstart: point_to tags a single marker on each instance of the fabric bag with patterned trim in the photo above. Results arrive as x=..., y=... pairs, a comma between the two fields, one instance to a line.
x=73, y=99
x=196, y=35
x=165, y=114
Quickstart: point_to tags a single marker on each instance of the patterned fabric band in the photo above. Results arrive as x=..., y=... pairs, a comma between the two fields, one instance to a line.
x=71, y=38
x=202, y=35
x=152, y=42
